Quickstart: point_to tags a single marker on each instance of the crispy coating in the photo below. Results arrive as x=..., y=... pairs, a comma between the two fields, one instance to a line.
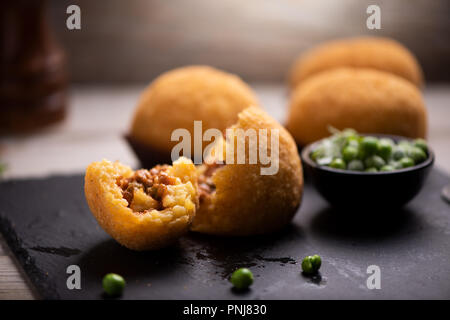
x=244, y=201
x=367, y=100
x=365, y=52
x=178, y=97
x=150, y=229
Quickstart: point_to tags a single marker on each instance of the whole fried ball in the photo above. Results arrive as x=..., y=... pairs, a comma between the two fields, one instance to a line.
x=364, y=52
x=143, y=209
x=179, y=97
x=366, y=100
x=237, y=199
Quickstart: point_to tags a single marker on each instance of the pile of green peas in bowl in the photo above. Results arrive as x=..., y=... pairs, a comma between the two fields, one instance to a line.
x=348, y=150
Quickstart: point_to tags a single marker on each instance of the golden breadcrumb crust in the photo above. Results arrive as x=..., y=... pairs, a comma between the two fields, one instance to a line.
x=178, y=97
x=246, y=202
x=365, y=52
x=366, y=100
x=147, y=230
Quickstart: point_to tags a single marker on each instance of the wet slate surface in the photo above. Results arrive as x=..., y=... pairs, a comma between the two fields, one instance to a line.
x=48, y=226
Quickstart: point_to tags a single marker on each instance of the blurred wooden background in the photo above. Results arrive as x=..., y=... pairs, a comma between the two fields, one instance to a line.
x=135, y=40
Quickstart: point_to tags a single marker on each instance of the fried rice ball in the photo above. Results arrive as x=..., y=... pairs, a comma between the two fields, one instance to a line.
x=179, y=97
x=366, y=100
x=236, y=199
x=143, y=209
x=364, y=52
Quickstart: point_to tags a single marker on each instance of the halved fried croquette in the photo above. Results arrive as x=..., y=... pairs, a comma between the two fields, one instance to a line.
x=377, y=53
x=143, y=209
x=367, y=100
x=237, y=200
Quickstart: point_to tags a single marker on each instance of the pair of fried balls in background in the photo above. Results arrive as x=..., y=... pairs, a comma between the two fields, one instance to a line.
x=377, y=53
x=179, y=97
x=368, y=84
x=150, y=209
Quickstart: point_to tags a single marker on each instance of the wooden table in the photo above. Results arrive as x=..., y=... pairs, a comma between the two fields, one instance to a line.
x=98, y=117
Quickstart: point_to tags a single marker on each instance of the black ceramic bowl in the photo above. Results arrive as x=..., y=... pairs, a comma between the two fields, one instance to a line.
x=365, y=191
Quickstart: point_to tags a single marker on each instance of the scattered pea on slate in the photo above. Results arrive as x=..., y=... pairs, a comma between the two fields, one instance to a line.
x=311, y=264
x=242, y=278
x=113, y=284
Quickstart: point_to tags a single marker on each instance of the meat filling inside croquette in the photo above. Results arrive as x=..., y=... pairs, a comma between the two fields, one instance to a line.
x=145, y=189
x=206, y=185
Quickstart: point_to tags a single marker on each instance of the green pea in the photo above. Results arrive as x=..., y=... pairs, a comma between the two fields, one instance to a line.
x=406, y=162
x=387, y=168
x=355, y=165
x=337, y=163
x=398, y=153
x=307, y=266
x=316, y=261
x=113, y=284
x=417, y=155
x=349, y=153
x=374, y=161
x=422, y=144
x=405, y=146
x=318, y=153
x=311, y=264
x=315, y=155
x=361, y=154
x=242, y=278
x=369, y=145
x=353, y=142
x=384, y=148
x=371, y=169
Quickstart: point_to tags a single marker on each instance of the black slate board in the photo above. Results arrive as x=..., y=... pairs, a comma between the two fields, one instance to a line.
x=48, y=226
